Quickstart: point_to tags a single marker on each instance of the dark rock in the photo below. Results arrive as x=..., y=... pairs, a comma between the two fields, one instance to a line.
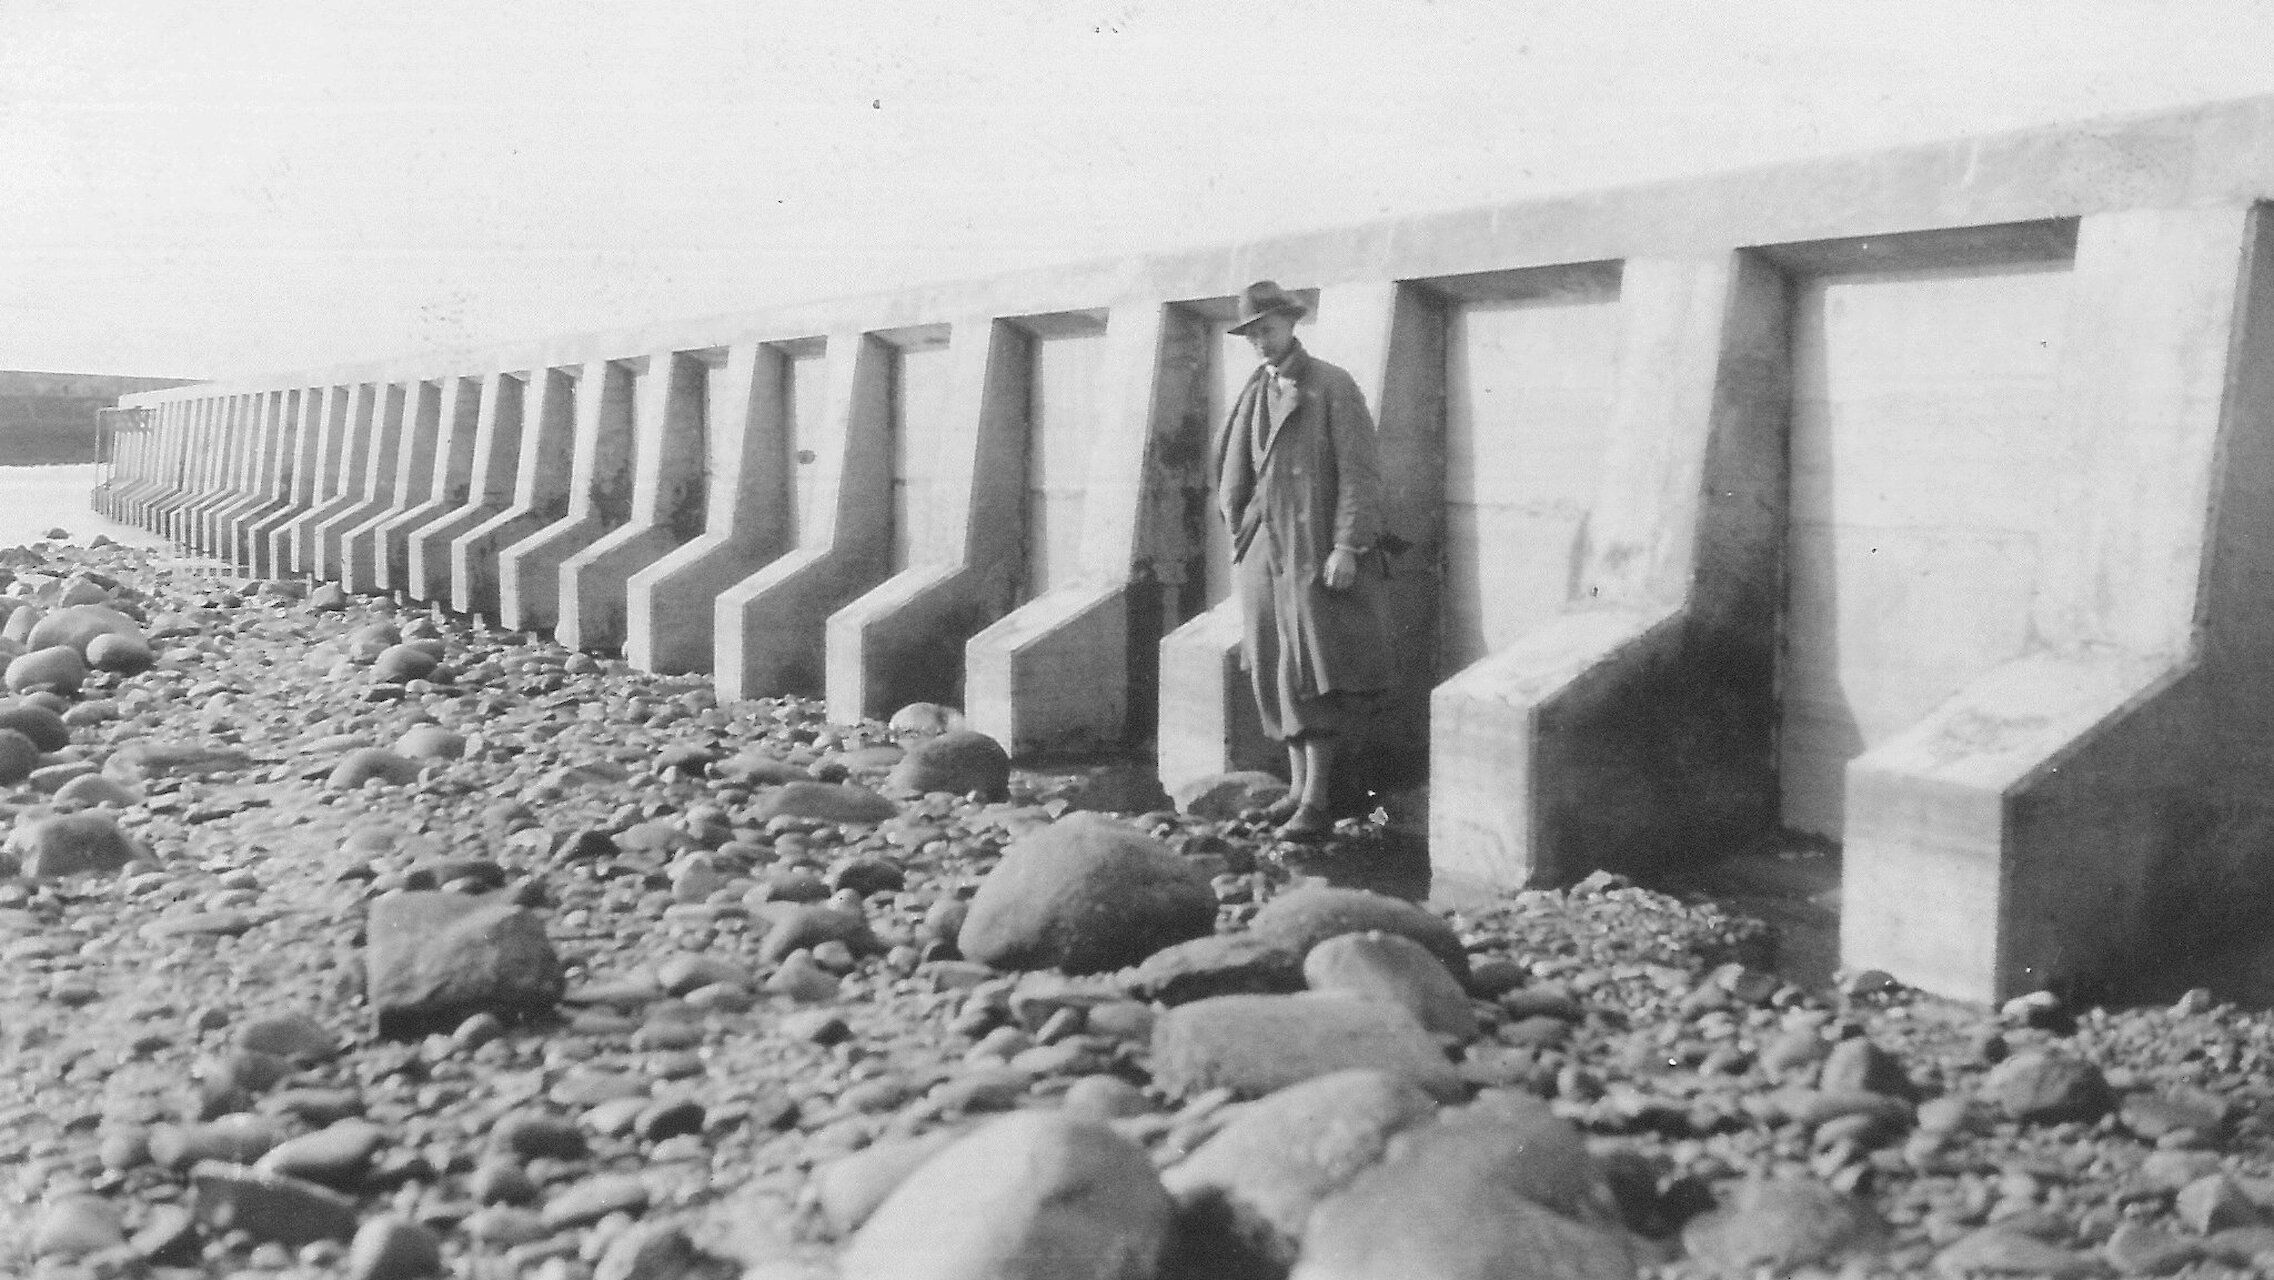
x=404, y=662
x=960, y=762
x=270, y=1206
x=436, y=958
x=71, y=844
x=18, y=757
x=1306, y=917
x=1220, y=964
x=2041, y=1087
x=44, y=727
x=1031, y=1196
x=125, y=654
x=1256, y=1045
x=1086, y=894
x=292, y=1036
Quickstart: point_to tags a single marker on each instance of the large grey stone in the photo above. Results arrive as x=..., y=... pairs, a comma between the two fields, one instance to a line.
x=1256, y=1045
x=1251, y=1187
x=1220, y=964
x=1393, y=968
x=140, y=762
x=270, y=1206
x=1032, y=1196
x=960, y=761
x=2047, y=1088
x=71, y=844
x=1306, y=917
x=1498, y=1189
x=1086, y=894
x=58, y=667
x=78, y=625
x=435, y=958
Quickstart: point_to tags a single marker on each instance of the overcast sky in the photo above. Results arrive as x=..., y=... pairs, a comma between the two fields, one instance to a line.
x=226, y=188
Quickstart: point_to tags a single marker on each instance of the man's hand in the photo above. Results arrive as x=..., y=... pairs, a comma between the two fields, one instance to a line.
x=1341, y=570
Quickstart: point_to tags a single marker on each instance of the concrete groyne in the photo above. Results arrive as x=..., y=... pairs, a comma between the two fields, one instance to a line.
x=1920, y=501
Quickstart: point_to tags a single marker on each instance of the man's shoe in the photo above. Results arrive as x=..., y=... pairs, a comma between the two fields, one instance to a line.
x=1309, y=825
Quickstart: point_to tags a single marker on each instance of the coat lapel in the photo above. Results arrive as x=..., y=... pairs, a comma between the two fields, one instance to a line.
x=1282, y=405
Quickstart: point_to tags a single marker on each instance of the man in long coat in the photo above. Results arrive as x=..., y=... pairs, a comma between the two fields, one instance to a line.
x=1298, y=484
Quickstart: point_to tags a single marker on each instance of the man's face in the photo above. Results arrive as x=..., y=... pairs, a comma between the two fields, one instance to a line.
x=1271, y=335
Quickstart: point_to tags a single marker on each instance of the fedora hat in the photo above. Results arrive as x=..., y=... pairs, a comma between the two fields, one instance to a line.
x=1263, y=298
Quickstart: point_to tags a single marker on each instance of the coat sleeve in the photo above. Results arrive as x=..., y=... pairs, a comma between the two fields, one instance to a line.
x=1358, y=497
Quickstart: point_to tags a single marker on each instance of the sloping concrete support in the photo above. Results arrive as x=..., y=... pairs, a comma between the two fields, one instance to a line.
x=1390, y=338
x=485, y=490
x=367, y=407
x=771, y=625
x=432, y=481
x=289, y=483
x=217, y=476
x=337, y=407
x=347, y=544
x=903, y=640
x=1639, y=725
x=2067, y=814
x=749, y=512
x=297, y=481
x=540, y=479
x=1053, y=675
x=269, y=447
x=599, y=499
x=669, y=455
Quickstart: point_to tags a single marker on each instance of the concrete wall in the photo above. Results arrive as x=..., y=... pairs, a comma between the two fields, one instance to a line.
x=1920, y=502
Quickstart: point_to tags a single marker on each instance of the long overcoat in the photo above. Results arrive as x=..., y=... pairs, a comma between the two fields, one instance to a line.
x=1319, y=486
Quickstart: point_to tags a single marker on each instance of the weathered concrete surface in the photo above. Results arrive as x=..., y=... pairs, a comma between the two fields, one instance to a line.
x=485, y=491
x=440, y=482
x=343, y=543
x=369, y=407
x=668, y=455
x=771, y=625
x=598, y=497
x=293, y=489
x=541, y=474
x=344, y=453
x=1632, y=728
x=401, y=468
x=903, y=640
x=766, y=399
x=2061, y=811
x=1054, y=674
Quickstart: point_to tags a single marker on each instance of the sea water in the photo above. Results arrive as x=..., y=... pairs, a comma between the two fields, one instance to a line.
x=34, y=500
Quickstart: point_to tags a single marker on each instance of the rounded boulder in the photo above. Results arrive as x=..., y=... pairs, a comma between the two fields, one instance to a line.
x=362, y=766
x=1032, y=1196
x=72, y=844
x=126, y=654
x=18, y=757
x=960, y=762
x=58, y=667
x=79, y=625
x=1085, y=894
x=45, y=728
